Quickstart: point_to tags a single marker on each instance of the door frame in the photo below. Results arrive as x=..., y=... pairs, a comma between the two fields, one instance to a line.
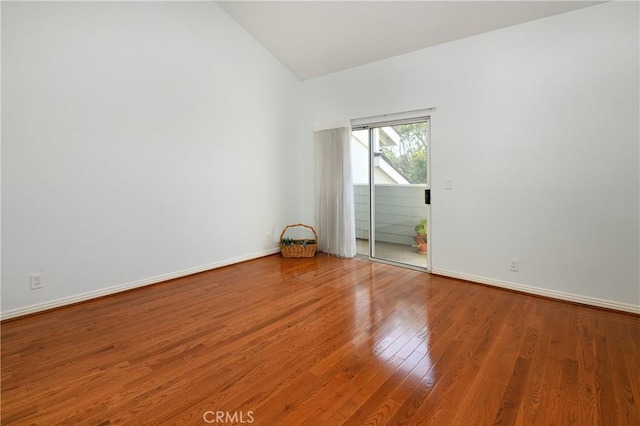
x=392, y=120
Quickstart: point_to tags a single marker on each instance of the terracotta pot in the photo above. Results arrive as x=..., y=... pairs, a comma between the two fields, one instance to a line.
x=421, y=248
x=420, y=244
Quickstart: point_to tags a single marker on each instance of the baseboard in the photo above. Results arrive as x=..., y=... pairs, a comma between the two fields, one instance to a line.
x=39, y=307
x=569, y=297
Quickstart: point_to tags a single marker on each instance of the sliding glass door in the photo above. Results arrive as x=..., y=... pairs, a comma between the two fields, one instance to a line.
x=391, y=191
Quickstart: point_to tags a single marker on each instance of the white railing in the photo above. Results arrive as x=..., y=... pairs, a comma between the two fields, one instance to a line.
x=398, y=208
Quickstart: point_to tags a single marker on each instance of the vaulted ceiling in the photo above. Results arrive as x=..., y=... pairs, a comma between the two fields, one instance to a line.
x=313, y=38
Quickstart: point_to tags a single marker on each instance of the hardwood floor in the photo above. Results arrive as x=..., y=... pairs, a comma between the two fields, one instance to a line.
x=321, y=341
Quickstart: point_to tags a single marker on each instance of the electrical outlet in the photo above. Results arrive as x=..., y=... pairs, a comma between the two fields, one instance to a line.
x=515, y=264
x=269, y=237
x=36, y=281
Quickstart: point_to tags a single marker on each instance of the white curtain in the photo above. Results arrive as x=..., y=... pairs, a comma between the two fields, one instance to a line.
x=335, y=217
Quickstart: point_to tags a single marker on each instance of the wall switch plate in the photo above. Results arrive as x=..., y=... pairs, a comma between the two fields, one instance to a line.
x=36, y=281
x=448, y=183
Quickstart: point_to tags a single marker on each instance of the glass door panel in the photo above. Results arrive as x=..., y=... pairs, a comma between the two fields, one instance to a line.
x=391, y=214
x=360, y=168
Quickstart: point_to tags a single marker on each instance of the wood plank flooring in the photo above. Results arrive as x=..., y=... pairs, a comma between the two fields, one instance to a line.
x=321, y=341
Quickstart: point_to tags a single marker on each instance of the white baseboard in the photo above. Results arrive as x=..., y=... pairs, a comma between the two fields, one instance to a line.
x=39, y=307
x=569, y=297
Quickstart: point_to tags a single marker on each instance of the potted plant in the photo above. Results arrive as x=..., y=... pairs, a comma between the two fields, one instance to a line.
x=420, y=239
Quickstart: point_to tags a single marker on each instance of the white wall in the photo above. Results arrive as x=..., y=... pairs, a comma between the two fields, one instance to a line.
x=139, y=140
x=538, y=127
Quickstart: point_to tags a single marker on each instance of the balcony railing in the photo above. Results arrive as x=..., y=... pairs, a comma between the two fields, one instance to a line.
x=398, y=208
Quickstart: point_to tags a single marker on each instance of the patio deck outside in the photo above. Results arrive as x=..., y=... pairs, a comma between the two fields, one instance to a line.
x=400, y=253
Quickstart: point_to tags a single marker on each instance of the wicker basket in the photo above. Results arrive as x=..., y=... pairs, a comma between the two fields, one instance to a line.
x=299, y=248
